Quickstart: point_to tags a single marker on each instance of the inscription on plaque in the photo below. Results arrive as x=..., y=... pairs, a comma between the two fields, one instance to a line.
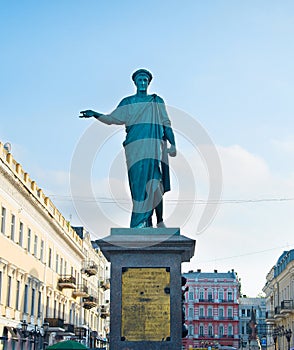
x=145, y=304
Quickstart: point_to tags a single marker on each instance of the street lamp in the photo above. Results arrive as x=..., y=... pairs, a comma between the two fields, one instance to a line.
x=45, y=332
x=275, y=336
x=288, y=334
x=35, y=334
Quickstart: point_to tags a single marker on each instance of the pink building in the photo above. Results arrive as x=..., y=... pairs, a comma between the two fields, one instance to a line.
x=211, y=309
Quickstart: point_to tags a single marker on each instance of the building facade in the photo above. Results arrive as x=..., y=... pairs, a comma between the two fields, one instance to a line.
x=279, y=291
x=52, y=277
x=211, y=309
x=246, y=307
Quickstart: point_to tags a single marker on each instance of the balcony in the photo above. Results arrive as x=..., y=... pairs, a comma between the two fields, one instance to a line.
x=90, y=302
x=105, y=284
x=278, y=314
x=80, y=291
x=287, y=307
x=69, y=329
x=104, y=312
x=89, y=268
x=55, y=324
x=67, y=281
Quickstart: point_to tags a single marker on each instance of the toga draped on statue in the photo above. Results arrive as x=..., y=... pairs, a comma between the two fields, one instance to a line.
x=147, y=123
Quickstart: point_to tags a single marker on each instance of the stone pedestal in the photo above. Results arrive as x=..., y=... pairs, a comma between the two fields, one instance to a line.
x=146, y=294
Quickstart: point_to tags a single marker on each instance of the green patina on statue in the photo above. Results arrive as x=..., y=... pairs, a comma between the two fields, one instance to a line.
x=148, y=129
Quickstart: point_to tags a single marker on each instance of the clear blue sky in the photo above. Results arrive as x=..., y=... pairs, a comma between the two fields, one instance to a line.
x=229, y=64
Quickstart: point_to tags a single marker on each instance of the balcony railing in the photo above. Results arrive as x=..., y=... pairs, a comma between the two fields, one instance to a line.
x=90, y=302
x=287, y=306
x=80, y=291
x=89, y=267
x=67, y=281
x=55, y=322
x=69, y=329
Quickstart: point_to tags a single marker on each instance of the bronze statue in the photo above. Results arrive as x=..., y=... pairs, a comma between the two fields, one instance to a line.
x=148, y=129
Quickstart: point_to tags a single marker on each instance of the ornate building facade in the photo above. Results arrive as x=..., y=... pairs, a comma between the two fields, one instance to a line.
x=211, y=309
x=279, y=291
x=52, y=277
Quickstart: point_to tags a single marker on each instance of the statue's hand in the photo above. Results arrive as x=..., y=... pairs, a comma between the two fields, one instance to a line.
x=172, y=151
x=87, y=114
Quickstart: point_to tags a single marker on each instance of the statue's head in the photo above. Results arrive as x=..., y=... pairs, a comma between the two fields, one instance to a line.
x=141, y=72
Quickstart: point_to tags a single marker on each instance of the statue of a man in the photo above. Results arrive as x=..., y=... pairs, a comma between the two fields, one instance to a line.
x=148, y=129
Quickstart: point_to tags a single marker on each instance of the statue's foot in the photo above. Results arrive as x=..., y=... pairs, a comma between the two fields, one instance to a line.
x=144, y=224
x=161, y=224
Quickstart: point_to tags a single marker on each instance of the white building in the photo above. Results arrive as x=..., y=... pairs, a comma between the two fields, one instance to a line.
x=49, y=272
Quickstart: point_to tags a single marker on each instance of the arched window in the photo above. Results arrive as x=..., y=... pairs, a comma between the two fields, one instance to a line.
x=190, y=330
x=210, y=330
x=221, y=331
x=201, y=330
x=209, y=312
x=201, y=294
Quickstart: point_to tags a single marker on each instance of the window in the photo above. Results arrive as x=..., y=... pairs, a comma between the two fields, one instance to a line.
x=56, y=263
x=209, y=295
x=248, y=313
x=29, y=240
x=191, y=312
x=54, y=309
x=191, y=295
x=209, y=312
x=33, y=302
x=243, y=312
x=3, y=220
x=25, y=301
x=230, y=330
x=61, y=265
x=201, y=331
x=65, y=267
x=17, y=295
x=20, y=238
x=47, y=307
x=201, y=312
x=12, y=227
x=221, y=295
x=0, y=285
x=50, y=257
x=221, y=331
x=42, y=251
x=39, y=304
x=221, y=313
x=190, y=330
x=210, y=330
x=201, y=294
x=35, y=245
x=8, y=299
x=230, y=312
x=230, y=296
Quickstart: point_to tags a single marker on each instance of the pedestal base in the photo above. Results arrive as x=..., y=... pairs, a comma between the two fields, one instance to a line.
x=145, y=294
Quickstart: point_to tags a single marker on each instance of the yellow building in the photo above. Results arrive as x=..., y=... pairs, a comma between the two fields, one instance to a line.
x=279, y=291
x=50, y=273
